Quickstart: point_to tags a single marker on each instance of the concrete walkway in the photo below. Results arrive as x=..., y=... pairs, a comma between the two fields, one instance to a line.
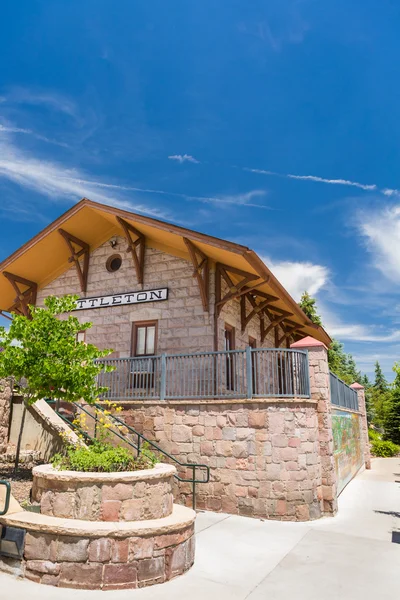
x=350, y=557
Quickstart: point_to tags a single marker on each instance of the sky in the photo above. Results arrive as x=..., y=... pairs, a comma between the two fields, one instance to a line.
x=274, y=124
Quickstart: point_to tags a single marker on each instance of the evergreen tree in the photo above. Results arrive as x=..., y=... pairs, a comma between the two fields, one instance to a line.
x=392, y=416
x=308, y=304
x=380, y=381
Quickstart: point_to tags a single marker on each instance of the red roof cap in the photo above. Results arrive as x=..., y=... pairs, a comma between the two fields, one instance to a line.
x=308, y=342
x=357, y=386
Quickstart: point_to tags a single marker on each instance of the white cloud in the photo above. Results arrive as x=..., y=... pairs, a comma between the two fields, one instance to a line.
x=243, y=199
x=12, y=129
x=57, y=181
x=363, y=186
x=298, y=277
x=51, y=100
x=381, y=230
x=360, y=333
x=181, y=158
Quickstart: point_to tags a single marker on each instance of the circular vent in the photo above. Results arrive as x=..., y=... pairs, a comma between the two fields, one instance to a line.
x=114, y=263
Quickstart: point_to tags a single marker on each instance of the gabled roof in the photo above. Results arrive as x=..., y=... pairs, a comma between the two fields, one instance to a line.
x=45, y=257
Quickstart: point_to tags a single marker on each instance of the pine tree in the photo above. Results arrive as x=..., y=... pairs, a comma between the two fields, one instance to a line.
x=308, y=304
x=380, y=381
x=392, y=417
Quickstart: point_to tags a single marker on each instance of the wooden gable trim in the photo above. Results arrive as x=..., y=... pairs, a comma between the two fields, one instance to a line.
x=24, y=297
x=82, y=269
x=201, y=264
x=136, y=247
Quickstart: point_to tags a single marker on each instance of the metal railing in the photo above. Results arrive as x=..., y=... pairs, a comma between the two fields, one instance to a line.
x=135, y=440
x=342, y=394
x=6, y=506
x=250, y=373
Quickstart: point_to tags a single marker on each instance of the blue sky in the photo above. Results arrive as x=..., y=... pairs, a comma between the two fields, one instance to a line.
x=271, y=123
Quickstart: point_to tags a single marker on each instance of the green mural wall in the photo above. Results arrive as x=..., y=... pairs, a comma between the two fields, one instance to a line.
x=347, y=446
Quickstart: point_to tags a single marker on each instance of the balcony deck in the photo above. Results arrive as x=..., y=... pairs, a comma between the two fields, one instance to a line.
x=249, y=373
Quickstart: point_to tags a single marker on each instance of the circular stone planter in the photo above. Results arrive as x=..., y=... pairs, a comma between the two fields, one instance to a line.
x=124, y=496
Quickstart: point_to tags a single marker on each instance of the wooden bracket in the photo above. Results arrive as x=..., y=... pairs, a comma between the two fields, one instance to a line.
x=3, y=314
x=257, y=307
x=264, y=331
x=135, y=246
x=201, y=271
x=236, y=290
x=82, y=269
x=289, y=331
x=25, y=297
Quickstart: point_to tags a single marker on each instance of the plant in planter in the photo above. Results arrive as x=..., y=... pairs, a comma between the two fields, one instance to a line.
x=101, y=455
x=43, y=355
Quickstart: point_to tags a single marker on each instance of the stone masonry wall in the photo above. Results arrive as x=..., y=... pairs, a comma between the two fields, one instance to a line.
x=264, y=456
x=106, y=563
x=183, y=326
x=5, y=407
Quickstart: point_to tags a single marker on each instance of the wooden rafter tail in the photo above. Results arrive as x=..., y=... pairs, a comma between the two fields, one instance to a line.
x=201, y=264
x=235, y=290
x=25, y=297
x=3, y=314
x=136, y=247
x=82, y=268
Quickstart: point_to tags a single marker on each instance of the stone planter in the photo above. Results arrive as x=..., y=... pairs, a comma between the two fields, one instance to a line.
x=106, y=531
x=124, y=496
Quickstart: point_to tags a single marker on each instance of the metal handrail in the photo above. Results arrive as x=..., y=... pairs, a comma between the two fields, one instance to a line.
x=138, y=447
x=249, y=373
x=342, y=394
x=7, y=499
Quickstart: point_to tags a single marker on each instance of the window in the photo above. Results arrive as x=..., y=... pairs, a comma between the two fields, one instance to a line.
x=229, y=342
x=81, y=336
x=113, y=263
x=144, y=341
x=144, y=345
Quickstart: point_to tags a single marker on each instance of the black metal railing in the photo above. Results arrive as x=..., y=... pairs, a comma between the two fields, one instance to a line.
x=135, y=441
x=6, y=506
x=342, y=394
x=249, y=373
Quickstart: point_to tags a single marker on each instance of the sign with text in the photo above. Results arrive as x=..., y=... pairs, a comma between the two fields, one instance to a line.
x=122, y=299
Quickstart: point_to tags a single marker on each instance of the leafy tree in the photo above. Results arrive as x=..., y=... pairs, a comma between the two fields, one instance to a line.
x=42, y=354
x=308, y=304
x=392, y=414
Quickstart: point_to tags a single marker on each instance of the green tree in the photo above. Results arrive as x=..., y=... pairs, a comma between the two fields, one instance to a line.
x=380, y=381
x=308, y=304
x=43, y=355
x=392, y=413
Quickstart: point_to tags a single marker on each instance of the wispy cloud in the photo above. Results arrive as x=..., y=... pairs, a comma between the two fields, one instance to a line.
x=56, y=181
x=50, y=100
x=317, y=179
x=181, y=158
x=298, y=277
x=12, y=129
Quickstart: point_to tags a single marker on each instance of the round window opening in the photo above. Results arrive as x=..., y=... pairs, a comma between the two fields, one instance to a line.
x=114, y=262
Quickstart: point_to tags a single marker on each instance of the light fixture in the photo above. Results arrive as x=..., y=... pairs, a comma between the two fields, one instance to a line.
x=12, y=541
x=114, y=242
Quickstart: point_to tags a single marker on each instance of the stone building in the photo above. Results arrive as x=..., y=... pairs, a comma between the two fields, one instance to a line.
x=209, y=349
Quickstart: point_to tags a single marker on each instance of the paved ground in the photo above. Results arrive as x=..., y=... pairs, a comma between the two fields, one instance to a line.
x=350, y=557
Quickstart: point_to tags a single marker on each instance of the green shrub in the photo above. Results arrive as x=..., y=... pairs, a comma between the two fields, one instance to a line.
x=384, y=448
x=103, y=458
x=374, y=435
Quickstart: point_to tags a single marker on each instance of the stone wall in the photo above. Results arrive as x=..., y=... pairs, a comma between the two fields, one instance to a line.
x=183, y=326
x=5, y=407
x=264, y=456
x=125, y=496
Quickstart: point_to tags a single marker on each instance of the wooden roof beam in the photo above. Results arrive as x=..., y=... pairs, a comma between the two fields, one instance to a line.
x=136, y=247
x=24, y=297
x=201, y=264
x=83, y=250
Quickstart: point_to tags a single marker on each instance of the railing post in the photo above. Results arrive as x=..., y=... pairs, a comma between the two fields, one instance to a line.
x=249, y=372
x=163, y=383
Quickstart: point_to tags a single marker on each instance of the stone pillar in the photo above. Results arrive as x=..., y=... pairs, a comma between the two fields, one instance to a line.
x=5, y=405
x=364, y=423
x=320, y=392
